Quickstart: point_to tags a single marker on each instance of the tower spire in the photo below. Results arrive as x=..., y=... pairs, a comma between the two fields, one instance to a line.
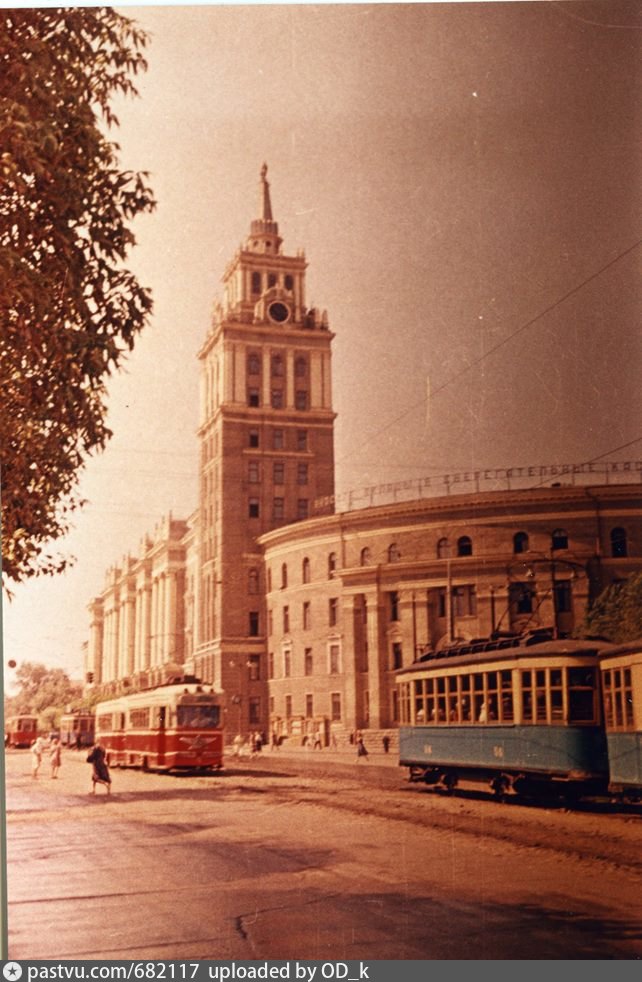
x=264, y=231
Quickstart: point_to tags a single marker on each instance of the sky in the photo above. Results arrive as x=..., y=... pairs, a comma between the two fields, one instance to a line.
x=465, y=181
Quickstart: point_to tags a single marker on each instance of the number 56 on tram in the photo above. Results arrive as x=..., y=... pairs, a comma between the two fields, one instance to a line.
x=173, y=727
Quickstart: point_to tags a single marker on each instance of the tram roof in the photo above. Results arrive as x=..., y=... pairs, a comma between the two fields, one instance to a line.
x=507, y=649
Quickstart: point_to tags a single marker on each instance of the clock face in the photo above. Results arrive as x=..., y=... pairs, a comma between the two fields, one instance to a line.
x=279, y=312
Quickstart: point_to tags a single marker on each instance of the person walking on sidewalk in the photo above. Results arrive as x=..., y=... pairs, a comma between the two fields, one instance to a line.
x=100, y=770
x=55, y=757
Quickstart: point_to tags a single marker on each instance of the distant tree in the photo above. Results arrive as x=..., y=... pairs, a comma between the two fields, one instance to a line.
x=69, y=310
x=616, y=615
x=42, y=691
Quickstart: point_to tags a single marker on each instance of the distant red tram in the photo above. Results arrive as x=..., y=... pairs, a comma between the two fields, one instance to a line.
x=174, y=727
x=20, y=731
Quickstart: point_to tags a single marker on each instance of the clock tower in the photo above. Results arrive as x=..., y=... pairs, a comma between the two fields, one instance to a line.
x=266, y=453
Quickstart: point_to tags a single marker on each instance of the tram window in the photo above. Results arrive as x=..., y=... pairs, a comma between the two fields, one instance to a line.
x=581, y=695
x=198, y=717
x=162, y=716
x=506, y=696
x=139, y=718
x=557, y=694
x=628, y=698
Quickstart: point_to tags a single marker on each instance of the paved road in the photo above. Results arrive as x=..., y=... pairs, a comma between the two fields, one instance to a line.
x=322, y=864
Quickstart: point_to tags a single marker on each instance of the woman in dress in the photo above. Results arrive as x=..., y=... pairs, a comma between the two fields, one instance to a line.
x=99, y=771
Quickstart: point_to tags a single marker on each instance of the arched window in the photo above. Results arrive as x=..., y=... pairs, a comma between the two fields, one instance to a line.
x=365, y=557
x=520, y=542
x=443, y=549
x=305, y=570
x=271, y=280
x=284, y=576
x=393, y=553
x=288, y=282
x=464, y=546
x=618, y=543
x=277, y=365
x=301, y=367
x=332, y=564
x=256, y=282
x=559, y=539
x=253, y=364
x=253, y=581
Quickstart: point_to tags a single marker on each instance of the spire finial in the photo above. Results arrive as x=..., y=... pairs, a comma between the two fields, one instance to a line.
x=265, y=203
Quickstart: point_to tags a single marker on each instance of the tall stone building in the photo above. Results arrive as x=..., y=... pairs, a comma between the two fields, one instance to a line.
x=266, y=449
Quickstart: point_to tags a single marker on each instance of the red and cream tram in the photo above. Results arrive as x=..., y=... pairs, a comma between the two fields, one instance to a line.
x=20, y=731
x=176, y=726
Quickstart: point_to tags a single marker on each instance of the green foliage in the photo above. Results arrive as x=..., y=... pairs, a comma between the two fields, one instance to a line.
x=44, y=692
x=616, y=615
x=69, y=310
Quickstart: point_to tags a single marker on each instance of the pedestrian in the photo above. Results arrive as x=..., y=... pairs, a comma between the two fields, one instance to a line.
x=361, y=748
x=55, y=757
x=100, y=770
x=386, y=744
x=37, y=749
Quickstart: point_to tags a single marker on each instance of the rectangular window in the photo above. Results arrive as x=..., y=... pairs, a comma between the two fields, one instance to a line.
x=522, y=597
x=464, y=601
x=278, y=472
x=335, y=706
x=563, y=597
x=254, y=668
x=288, y=707
x=277, y=398
x=302, y=439
x=270, y=664
x=441, y=603
x=254, y=623
x=302, y=508
x=307, y=616
x=253, y=398
x=334, y=653
x=286, y=620
x=278, y=508
x=301, y=399
x=254, y=438
x=309, y=705
x=393, y=599
x=255, y=710
x=253, y=472
x=253, y=508
x=308, y=661
x=333, y=610
x=302, y=474
x=278, y=440
x=397, y=655
x=287, y=663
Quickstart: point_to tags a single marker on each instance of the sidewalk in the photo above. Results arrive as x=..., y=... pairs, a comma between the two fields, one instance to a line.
x=328, y=755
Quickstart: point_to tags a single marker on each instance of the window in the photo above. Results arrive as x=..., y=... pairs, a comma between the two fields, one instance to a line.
x=271, y=665
x=277, y=365
x=301, y=367
x=288, y=282
x=253, y=472
x=253, y=508
x=253, y=581
x=254, y=709
x=253, y=364
x=278, y=441
x=559, y=539
x=284, y=576
x=522, y=598
x=253, y=440
x=332, y=564
x=393, y=553
x=277, y=399
x=271, y=279
x=309, y=705
x=302, y=439
x=254, y=668
x=333, y=608
x=334, y=652
x=464, y=601
x=301, y=399
x=271, y=704
x=441, y=602
x=286, y=620
x=397, y=655
x=618, y=698
x=270, y=618
x=563, y=597
x=253, y=398
x=335, y=706
x=302, y=474
x=253, y=618
x=308, y=662
x=618, y=543
x=307, y=616
x=256, y=283
x=393, y=601
x=520, y=542
x=278, y=508
x=443, y=549
x=287, y=663
x=302, y=508
x=464, y=546
x=278, y=472
x=288, y=707
x=365, y=557
x=305, y=570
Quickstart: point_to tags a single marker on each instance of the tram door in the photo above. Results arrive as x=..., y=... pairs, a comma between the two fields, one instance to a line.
x=162, y=719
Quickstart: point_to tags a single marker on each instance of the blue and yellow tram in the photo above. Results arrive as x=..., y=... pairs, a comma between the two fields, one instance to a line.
x=621, y=670
x=523, y=716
